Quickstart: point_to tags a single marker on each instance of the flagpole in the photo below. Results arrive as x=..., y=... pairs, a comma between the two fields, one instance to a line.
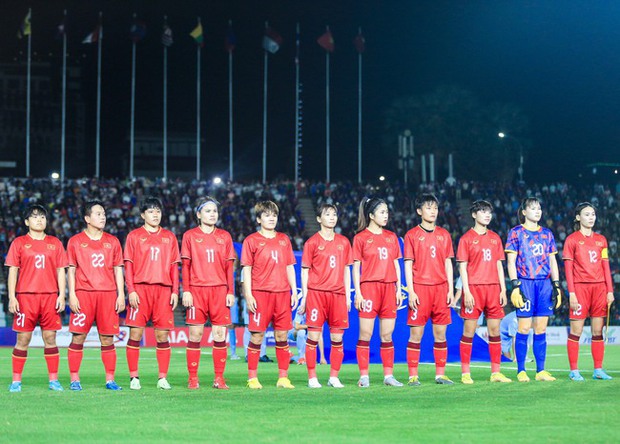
x=198, y=47
x=297, y=105
x=327, y=128
x=230, y=111
x=165, y=122
x=28, y=95
x=98, y=137
x=265, y=73
x=133, y=105
x=359, y=114
x=64, y=101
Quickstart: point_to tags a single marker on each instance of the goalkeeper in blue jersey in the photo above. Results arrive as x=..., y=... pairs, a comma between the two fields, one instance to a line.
x=531, y=260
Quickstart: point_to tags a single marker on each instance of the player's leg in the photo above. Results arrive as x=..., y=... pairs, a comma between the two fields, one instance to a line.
x=163, y=353
x=52, y=358
x=598, y=347
x=386, y=329
x=20, y=354
x=192, y=355
x=220, y=353
x=521, y=338
x=314, y=334
x=336, y=356
x=539, y=347
x=440, y=353
x=163, y=321
x=75, y=352
x=362, y=349
x=108, y=357
x=257, y=325
x=107, y=326
x=132, y=352
x=282, y=323
x=137, y=319
x=495, y=350
x=469, y=330
x=572, y=348
x=317, y=304
x=413, y=350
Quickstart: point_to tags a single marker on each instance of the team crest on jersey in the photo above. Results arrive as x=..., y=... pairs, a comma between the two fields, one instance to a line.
x=544, y=236
x=599, y=244
x=494, y=241
x=84, y=244
x=389, y=240
x=165, y=240
x=107, y=245
x=340, y=248
x=282, y=242
x=27, y=246
x=51, y=247
x=440, y=238
x=219, y=240
x=199, y=239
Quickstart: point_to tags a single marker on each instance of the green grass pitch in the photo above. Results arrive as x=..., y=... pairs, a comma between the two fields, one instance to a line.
x=561, y=411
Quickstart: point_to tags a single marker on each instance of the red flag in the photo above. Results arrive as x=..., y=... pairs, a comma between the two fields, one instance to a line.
x=360, y=42
x=326, y=41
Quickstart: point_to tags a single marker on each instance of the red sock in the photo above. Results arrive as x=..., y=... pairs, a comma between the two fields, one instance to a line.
x=162, y=351
x=495, y=350
x=108, y=357
x=52, y=358
x=572, y=347
x=192, y=356
x=440, y=352
x=363, y=356
x=74, y=356
x=413, y=357
x=19, y=360
x=465, y=349
x=220, y=354
x=283, y=357
x=133, y=357
x=598, y=351
x=336, y=357
x=387, y=358
x=311, y=357
x=253, y=356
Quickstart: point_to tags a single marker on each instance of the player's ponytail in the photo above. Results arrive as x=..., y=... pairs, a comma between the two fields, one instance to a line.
x=578, y=209
x=367, y=207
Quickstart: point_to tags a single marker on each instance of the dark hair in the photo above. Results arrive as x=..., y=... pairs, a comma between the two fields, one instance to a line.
x=325, y=207
x=425, y=198
x=150, y=203
x=367, y=207
x=266, y=206
x=200, y=203
x=480, y=205
x=33, y=209
x=87, y=208
x=578, y=209
x=528, y=201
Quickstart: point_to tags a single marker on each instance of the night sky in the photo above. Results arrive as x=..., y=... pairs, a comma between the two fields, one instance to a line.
x=559, y=61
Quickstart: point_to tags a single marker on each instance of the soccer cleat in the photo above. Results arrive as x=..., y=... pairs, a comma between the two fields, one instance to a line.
x=75, y=386
x=254, y=384
x=466, y=378
x=55, y=386
x=443, y=379
x=392, y=381
x=284, y=383
x=414, y=381
x=265, y=358
x=15, y=387
x=134, y=383
x=163, y=384
x=220, y=383
x=599, y=373
x=574, y=375
x=193, y=384
x=334, y=382
x=314, y=383
x=364, y=381
x=544, y=375
x=113, y=386
x=234, y=357
x=301, y=361
x=499, y=377
x=523, y=377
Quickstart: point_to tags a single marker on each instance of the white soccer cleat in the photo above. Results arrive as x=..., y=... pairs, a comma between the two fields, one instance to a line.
x=314, y=383
x=335, y=382
x=134, y=383
x=163, y=384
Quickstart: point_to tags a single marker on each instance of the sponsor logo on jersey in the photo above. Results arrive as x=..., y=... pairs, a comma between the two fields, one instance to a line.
x=369, y=240
x=321, y=247
x=421, y=238
x=262, y=244
x=199, y=239
x=84, y=244
x=475, y=242
x=27, y=246
x=581, y=242
x=143, y=239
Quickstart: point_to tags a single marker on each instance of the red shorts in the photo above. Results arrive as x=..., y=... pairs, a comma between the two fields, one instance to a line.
x=271, y=307
x=592, y=299
x=324, y=306
x=209, y=303
x=154, y=305
x=379, y=300
x=486, y=300
x=95, y=306
x=36, y=308
x=433, y=305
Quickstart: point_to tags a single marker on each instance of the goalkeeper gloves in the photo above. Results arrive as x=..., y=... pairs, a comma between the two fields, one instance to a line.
x=556, y=295
x=516, y=297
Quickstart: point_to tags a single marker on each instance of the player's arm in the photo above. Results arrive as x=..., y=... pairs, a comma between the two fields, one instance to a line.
x=62, y=289
x=305, y=271
x=250, y=302
x=357, y=276
x=516, y=297
x=399, y=291
x=174, y=276
x=74, y=303
x=300, y=326
x=134, y=298
x=292, y=281
x=511, y=265
x=555, y=279
x=413, y=298
x=230, y=282
x=347, y=285
x=120, y=288
x=11, y=284
x=502, y=283
x=186, y=266
x=450, y=277
x=468, y=298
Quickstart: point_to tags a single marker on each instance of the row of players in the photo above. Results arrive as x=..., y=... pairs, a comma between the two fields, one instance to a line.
x=96, y=284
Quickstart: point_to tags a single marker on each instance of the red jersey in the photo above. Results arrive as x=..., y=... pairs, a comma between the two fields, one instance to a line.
x=326, y=260
x=587, y=254
x=428, y=250
x=481, y=252
x=377, y=253
x=209, y=255
x=152, y=255
x=268, y=258
x=38, y=262
x=94, y=261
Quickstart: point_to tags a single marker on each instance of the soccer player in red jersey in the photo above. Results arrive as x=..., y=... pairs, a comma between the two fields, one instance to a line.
x=36, y=287
x=326, y=289
x=270, y=290
x=479, y=255
x=96, y=291
x=428, y=272
x=208, y=257
x=590, y=288
x=152, y=276
x=376, y=278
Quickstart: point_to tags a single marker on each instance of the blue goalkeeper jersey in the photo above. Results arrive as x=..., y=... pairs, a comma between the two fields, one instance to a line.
x=533, y=249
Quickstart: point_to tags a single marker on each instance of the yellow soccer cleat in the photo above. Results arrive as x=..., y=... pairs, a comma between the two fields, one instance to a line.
x=254, y=384
x=284, y=383
x=499, y=377
x=466, y=378
x=523, y=377
x=544, y=376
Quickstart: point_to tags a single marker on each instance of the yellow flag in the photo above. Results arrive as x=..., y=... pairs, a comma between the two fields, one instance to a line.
x=197, y=34
x=24, y=29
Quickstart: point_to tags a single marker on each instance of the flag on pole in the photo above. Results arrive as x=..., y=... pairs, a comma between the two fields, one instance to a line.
x=166, y=36
x=137, y=31
x=230, y=41
x=24, y=29
x=359, y=42
x=271, y=41
x=93, y=37
x=198, y=35
x=61, y=29
x=326, y=41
